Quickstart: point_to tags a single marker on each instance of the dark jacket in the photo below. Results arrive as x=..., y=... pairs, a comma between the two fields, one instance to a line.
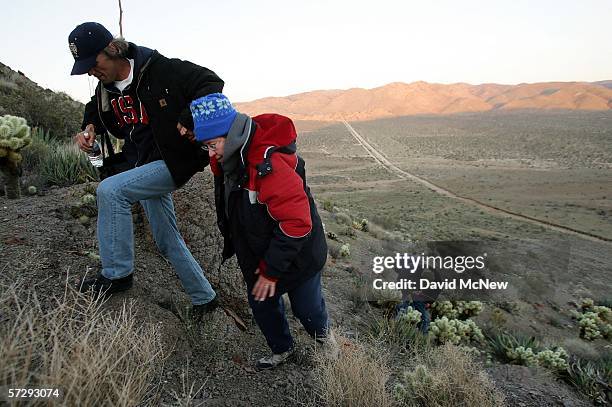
x=271, y=221
x=165, y=87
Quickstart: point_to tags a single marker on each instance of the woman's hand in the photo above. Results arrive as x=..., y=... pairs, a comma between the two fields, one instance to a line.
x=264, y=287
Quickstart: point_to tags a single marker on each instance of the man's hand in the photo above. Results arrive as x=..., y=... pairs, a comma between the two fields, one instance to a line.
x=185, y=132
x=86, y=138
x=264, y=288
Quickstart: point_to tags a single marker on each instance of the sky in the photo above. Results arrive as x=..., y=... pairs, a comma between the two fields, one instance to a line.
x=277, y=48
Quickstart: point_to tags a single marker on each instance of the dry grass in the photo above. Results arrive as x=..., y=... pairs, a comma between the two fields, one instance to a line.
x=447, y=377
x=95, y=358
x=189, y=394
x=356, y=379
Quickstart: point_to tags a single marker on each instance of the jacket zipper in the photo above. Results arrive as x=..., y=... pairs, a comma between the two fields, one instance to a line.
x=141, y=73
x=98, y=100
x=138, y=97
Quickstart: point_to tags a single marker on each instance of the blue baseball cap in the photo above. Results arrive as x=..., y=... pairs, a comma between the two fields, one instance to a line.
x=85, y=42
x=213, y=116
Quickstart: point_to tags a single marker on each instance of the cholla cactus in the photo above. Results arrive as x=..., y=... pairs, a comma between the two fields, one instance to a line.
x=604, y=313
x=361, y=225
x=553, y=359
x=14, y=135
x=457, y=309
x=472, y=331
x=586, y=304
x=455, y=331
x=411, y=380
x=594, y=321
x=444, y=330
x=444, y=309
x=522, y=356
x=590, y=323
x=410, y=316
x=469, y=309
x=345, y=250
x=88, y=199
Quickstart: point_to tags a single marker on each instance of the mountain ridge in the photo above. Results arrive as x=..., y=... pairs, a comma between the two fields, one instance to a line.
x=405, y=99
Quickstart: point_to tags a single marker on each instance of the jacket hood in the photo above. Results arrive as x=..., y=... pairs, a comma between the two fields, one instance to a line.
x=273, y=130
x=141, y=57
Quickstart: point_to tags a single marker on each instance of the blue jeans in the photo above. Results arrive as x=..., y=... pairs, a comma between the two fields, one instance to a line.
x=308, y=306
x=152, y=185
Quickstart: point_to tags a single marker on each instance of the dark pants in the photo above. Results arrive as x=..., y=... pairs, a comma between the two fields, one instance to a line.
x=308, y=306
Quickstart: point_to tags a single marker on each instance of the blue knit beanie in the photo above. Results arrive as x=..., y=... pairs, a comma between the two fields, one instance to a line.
x=213, y=116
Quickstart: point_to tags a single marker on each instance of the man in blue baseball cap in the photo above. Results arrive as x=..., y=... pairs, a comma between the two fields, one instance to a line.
x=85, y=42
x=143, y=98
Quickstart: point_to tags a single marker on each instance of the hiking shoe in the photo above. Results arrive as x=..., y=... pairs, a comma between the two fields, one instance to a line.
x=198, y=311
x=101, y=285
x=274, y=360
x=329, y=347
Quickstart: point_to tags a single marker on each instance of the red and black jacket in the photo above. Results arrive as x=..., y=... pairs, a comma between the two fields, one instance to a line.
x=271, y=221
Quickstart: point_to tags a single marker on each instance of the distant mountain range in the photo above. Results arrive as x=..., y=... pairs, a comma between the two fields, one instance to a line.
x=403, y=99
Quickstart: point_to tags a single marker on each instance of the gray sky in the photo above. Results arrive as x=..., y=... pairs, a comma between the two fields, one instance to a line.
x=276, y=48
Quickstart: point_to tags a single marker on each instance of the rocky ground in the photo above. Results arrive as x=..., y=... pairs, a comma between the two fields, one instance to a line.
x=44, y=246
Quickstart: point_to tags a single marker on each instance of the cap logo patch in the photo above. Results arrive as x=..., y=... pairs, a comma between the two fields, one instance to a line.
x=73, y=49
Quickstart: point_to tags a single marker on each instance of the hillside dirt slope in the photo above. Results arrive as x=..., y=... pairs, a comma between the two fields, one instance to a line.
x=43, y=246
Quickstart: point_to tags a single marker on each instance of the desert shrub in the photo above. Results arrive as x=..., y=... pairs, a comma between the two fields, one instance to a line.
x=446, y=377
x=67, y=165
x=399, y=333
x=343, y=219
x=387, y=222
x=96, y=358
x=38, y=151
x=333, y=248
x=57, y=112
x=378, y=232
x=357, y=378
x=584, y=350
x=348, y=232
x=328, y=205
x=590, y=378
x=358, y=293
x=345, y=250
x=55, y=162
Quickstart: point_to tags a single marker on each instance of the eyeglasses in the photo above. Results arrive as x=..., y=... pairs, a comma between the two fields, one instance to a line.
x=211, y=146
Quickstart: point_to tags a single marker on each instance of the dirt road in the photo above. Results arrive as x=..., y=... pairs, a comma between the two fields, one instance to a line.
x=382, y=160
